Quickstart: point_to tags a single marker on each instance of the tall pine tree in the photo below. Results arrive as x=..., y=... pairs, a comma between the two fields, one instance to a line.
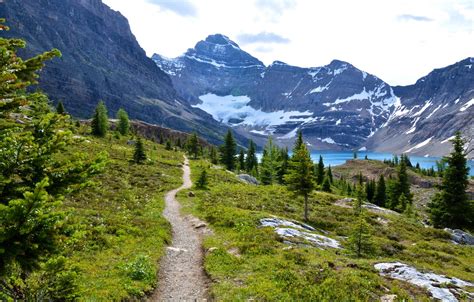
x=283, y=165
x=241, y=160
x=123, y=126
x=60, y=108
x=193, y=145
x=380, y=192
x=300, y=176
x=451, y=206
x=139, y=155
x=251, y=161
x=320, y=171
x=100, y=122
x=400, y=186
x=270, y=163
x=228, y=150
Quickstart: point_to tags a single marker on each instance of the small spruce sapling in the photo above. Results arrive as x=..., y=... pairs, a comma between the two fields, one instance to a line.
x=202, y=181
x=139, y=155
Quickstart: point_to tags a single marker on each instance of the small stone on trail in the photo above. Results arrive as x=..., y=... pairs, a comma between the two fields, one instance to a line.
x=176, y=249
x=200, y=225
x=388, y=298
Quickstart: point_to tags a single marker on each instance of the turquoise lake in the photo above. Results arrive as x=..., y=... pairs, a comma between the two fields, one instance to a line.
x=335, y=158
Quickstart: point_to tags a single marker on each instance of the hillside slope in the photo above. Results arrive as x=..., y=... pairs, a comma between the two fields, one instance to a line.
x=257, y=251
x=101, y=60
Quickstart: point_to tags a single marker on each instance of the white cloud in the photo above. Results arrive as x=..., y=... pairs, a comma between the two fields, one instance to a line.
x=181, y=7
x=368, y=33
x=261, y=37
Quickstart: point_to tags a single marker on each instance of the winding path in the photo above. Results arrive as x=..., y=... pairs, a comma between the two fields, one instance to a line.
x=181, y=276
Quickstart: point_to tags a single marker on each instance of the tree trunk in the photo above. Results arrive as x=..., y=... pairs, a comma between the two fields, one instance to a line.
x=306, y=207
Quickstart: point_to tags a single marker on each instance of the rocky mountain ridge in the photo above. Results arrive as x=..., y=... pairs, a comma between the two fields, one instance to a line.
x=101, y=60
x=429, y=112
x=337, y=106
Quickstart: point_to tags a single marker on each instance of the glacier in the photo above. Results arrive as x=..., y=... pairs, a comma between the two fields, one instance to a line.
x=235, y=108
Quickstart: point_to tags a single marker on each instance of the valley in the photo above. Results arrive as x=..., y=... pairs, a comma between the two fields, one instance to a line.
x=213, y=176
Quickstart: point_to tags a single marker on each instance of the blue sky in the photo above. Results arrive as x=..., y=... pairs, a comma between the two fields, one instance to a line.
x=398, y=41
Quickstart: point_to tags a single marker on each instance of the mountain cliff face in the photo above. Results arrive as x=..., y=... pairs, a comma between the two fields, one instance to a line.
x=337, y=106
x=101, y=61
x=429, y=112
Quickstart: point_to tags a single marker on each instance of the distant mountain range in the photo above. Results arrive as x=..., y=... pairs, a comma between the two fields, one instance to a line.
x=337, y=106
x=217, y=85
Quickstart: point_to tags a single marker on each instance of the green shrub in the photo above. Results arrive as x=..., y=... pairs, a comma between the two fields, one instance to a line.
x=141, y=269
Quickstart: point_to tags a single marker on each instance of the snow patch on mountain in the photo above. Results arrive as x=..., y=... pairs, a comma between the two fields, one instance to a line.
x=328, y=140
x=234, y=110
x=319, y=89
x=413, y=127
x=218, y=64
x=422, y=144
x=290, y=134
x=423, y=109
x=340, y=70
x=467, y=105
x=434, y=111
x=170, y=66
x=448, y=139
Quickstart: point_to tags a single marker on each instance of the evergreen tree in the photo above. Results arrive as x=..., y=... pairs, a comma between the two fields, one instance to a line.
x=370, y=190
x=451, y=206
x=326, y=185
x=123, y=126
x=139, y=155
x=213, y=155
x=360, y=240
x=300, y=176
x=241, y=160
x=60, y=108
x=380, y=192
x=100, y=122
x=395, y=160
x=228, y=150
x=269, y=166
x=251, y=161
x=402, y=203
x=401, y=186
x=178, y=143
x=283, y=165
x=354, y=154
x=162, y=139
x=360, y=178
x=320, y=171
x=407, y=161
x=349, y=189
x=33, y=175
x=359, y=202
x=299, y=141
x=329, y=173
x=193, y=145
x=168, y=145
x=201, y=183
